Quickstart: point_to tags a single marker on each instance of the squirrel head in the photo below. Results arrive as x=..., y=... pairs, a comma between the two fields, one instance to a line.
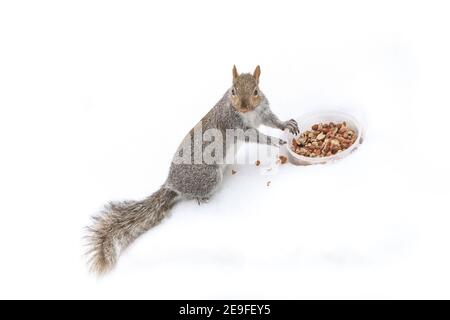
x=245, y=95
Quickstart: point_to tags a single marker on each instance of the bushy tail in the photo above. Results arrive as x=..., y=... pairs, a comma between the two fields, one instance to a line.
x=119, y=224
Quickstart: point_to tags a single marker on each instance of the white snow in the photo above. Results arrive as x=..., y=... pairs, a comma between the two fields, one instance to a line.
x=96, y=95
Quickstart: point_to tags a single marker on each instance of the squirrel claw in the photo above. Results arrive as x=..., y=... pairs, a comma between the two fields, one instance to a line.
x=292, y=126
x=202, y=200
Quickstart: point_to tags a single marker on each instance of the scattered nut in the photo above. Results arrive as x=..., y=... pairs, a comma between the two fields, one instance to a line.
x=268, y=183
x=257, y=163
x=233, y=172
x=323, y=140
x=283, y=159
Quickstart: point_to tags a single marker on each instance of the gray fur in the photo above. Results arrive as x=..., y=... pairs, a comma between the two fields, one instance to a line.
x=121, y=223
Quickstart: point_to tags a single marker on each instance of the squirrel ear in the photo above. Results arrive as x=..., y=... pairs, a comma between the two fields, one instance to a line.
x=257, y=73
x=235, y=73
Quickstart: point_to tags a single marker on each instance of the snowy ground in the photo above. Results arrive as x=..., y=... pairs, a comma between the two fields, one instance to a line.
x=96, y=95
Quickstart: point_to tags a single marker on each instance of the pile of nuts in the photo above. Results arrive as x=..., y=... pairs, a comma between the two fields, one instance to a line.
x=324, y=140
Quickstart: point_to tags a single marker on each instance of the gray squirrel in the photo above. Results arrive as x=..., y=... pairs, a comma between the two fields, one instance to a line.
x=243, y=106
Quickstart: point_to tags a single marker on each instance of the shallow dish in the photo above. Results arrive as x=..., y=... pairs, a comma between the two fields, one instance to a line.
x=307, y=121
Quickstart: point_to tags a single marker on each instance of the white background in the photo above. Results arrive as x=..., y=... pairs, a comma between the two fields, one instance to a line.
x=96, y=95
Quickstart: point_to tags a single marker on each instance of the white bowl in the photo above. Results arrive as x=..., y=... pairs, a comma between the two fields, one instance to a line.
x=306, y=122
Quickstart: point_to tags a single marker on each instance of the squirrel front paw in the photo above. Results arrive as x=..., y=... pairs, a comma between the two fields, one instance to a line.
x=292, y=126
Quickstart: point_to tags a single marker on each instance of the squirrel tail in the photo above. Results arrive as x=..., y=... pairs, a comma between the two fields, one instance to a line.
x=119, y=224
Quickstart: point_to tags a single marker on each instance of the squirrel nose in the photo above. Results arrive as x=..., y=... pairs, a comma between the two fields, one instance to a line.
x=244, y=104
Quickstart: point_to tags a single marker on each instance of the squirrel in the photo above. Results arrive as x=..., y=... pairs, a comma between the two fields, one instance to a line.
x=243, y=106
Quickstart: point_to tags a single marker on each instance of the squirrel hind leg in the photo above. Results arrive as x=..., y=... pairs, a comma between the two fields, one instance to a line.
x=198, y=182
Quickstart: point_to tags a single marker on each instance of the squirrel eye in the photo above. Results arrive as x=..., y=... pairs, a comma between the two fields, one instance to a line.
x=233, y=92
x=255, y=93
